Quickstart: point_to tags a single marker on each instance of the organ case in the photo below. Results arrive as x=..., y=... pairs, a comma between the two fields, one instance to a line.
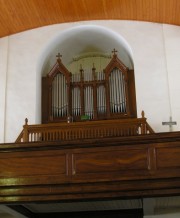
x=88, y=95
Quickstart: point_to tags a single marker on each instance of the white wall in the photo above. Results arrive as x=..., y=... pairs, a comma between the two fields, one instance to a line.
x=172, y=48
x=3, y=79
x=163, y=215
x=151, y=44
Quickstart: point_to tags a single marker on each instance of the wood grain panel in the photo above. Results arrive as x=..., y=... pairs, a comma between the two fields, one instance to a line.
x=168, y=158
x=117, y=167
x=22, y=167
x=110, y=161
x=106, y=164
x=20, y=15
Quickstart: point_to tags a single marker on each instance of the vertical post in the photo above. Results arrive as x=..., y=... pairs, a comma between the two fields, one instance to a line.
x=25, y=131
x=143, y=127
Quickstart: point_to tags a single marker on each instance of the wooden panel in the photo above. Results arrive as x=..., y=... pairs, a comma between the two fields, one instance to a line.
x=168, y=157
x=32, y=167
x=20, y=15
x=109, y=164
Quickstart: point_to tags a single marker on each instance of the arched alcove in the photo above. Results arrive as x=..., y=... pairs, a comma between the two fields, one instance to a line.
x=79, y=41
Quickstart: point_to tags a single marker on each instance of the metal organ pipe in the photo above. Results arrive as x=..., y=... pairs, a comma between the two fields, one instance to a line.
x=54, y=93
x=64, y=98
x=120, y=91
x=53, y=97
x=76, y=103
x=104, y=99
x=118, y=99
x=110, y=90
x=113, y=95
x=124, y=93
x=88, y=101
x=101, y=100
x=117, y=92
x=59, y=96
x=73, y=91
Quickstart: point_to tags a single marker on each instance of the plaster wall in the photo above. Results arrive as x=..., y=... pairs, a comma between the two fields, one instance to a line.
x=155, y=51
x=165, y=215
x=3, y=80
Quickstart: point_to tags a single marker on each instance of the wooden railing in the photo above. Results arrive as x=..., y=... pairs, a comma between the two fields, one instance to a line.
x=84, y=130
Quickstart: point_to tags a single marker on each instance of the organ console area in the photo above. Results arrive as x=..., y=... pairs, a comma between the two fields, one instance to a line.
x=88, y=94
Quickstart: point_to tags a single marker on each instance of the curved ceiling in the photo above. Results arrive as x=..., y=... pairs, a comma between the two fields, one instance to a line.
x=20, y=15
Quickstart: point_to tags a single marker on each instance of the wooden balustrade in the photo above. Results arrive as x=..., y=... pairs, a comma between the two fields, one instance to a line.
x=84, y=130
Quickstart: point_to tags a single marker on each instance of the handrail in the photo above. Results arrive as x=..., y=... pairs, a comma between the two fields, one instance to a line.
x=84, y=130
x=20, y=137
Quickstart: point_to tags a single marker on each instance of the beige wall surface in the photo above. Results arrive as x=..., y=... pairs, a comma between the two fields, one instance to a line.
x=154, y=49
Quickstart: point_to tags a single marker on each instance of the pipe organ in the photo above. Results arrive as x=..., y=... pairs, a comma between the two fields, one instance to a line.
x=88, y=95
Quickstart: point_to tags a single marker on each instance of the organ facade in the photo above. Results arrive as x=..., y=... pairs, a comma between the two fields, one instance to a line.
x=88, y=94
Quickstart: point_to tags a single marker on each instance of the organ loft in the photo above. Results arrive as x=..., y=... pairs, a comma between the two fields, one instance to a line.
x=90, y=145
x=103, y=97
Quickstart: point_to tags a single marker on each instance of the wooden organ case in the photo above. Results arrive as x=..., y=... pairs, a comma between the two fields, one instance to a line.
x=90, y=95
